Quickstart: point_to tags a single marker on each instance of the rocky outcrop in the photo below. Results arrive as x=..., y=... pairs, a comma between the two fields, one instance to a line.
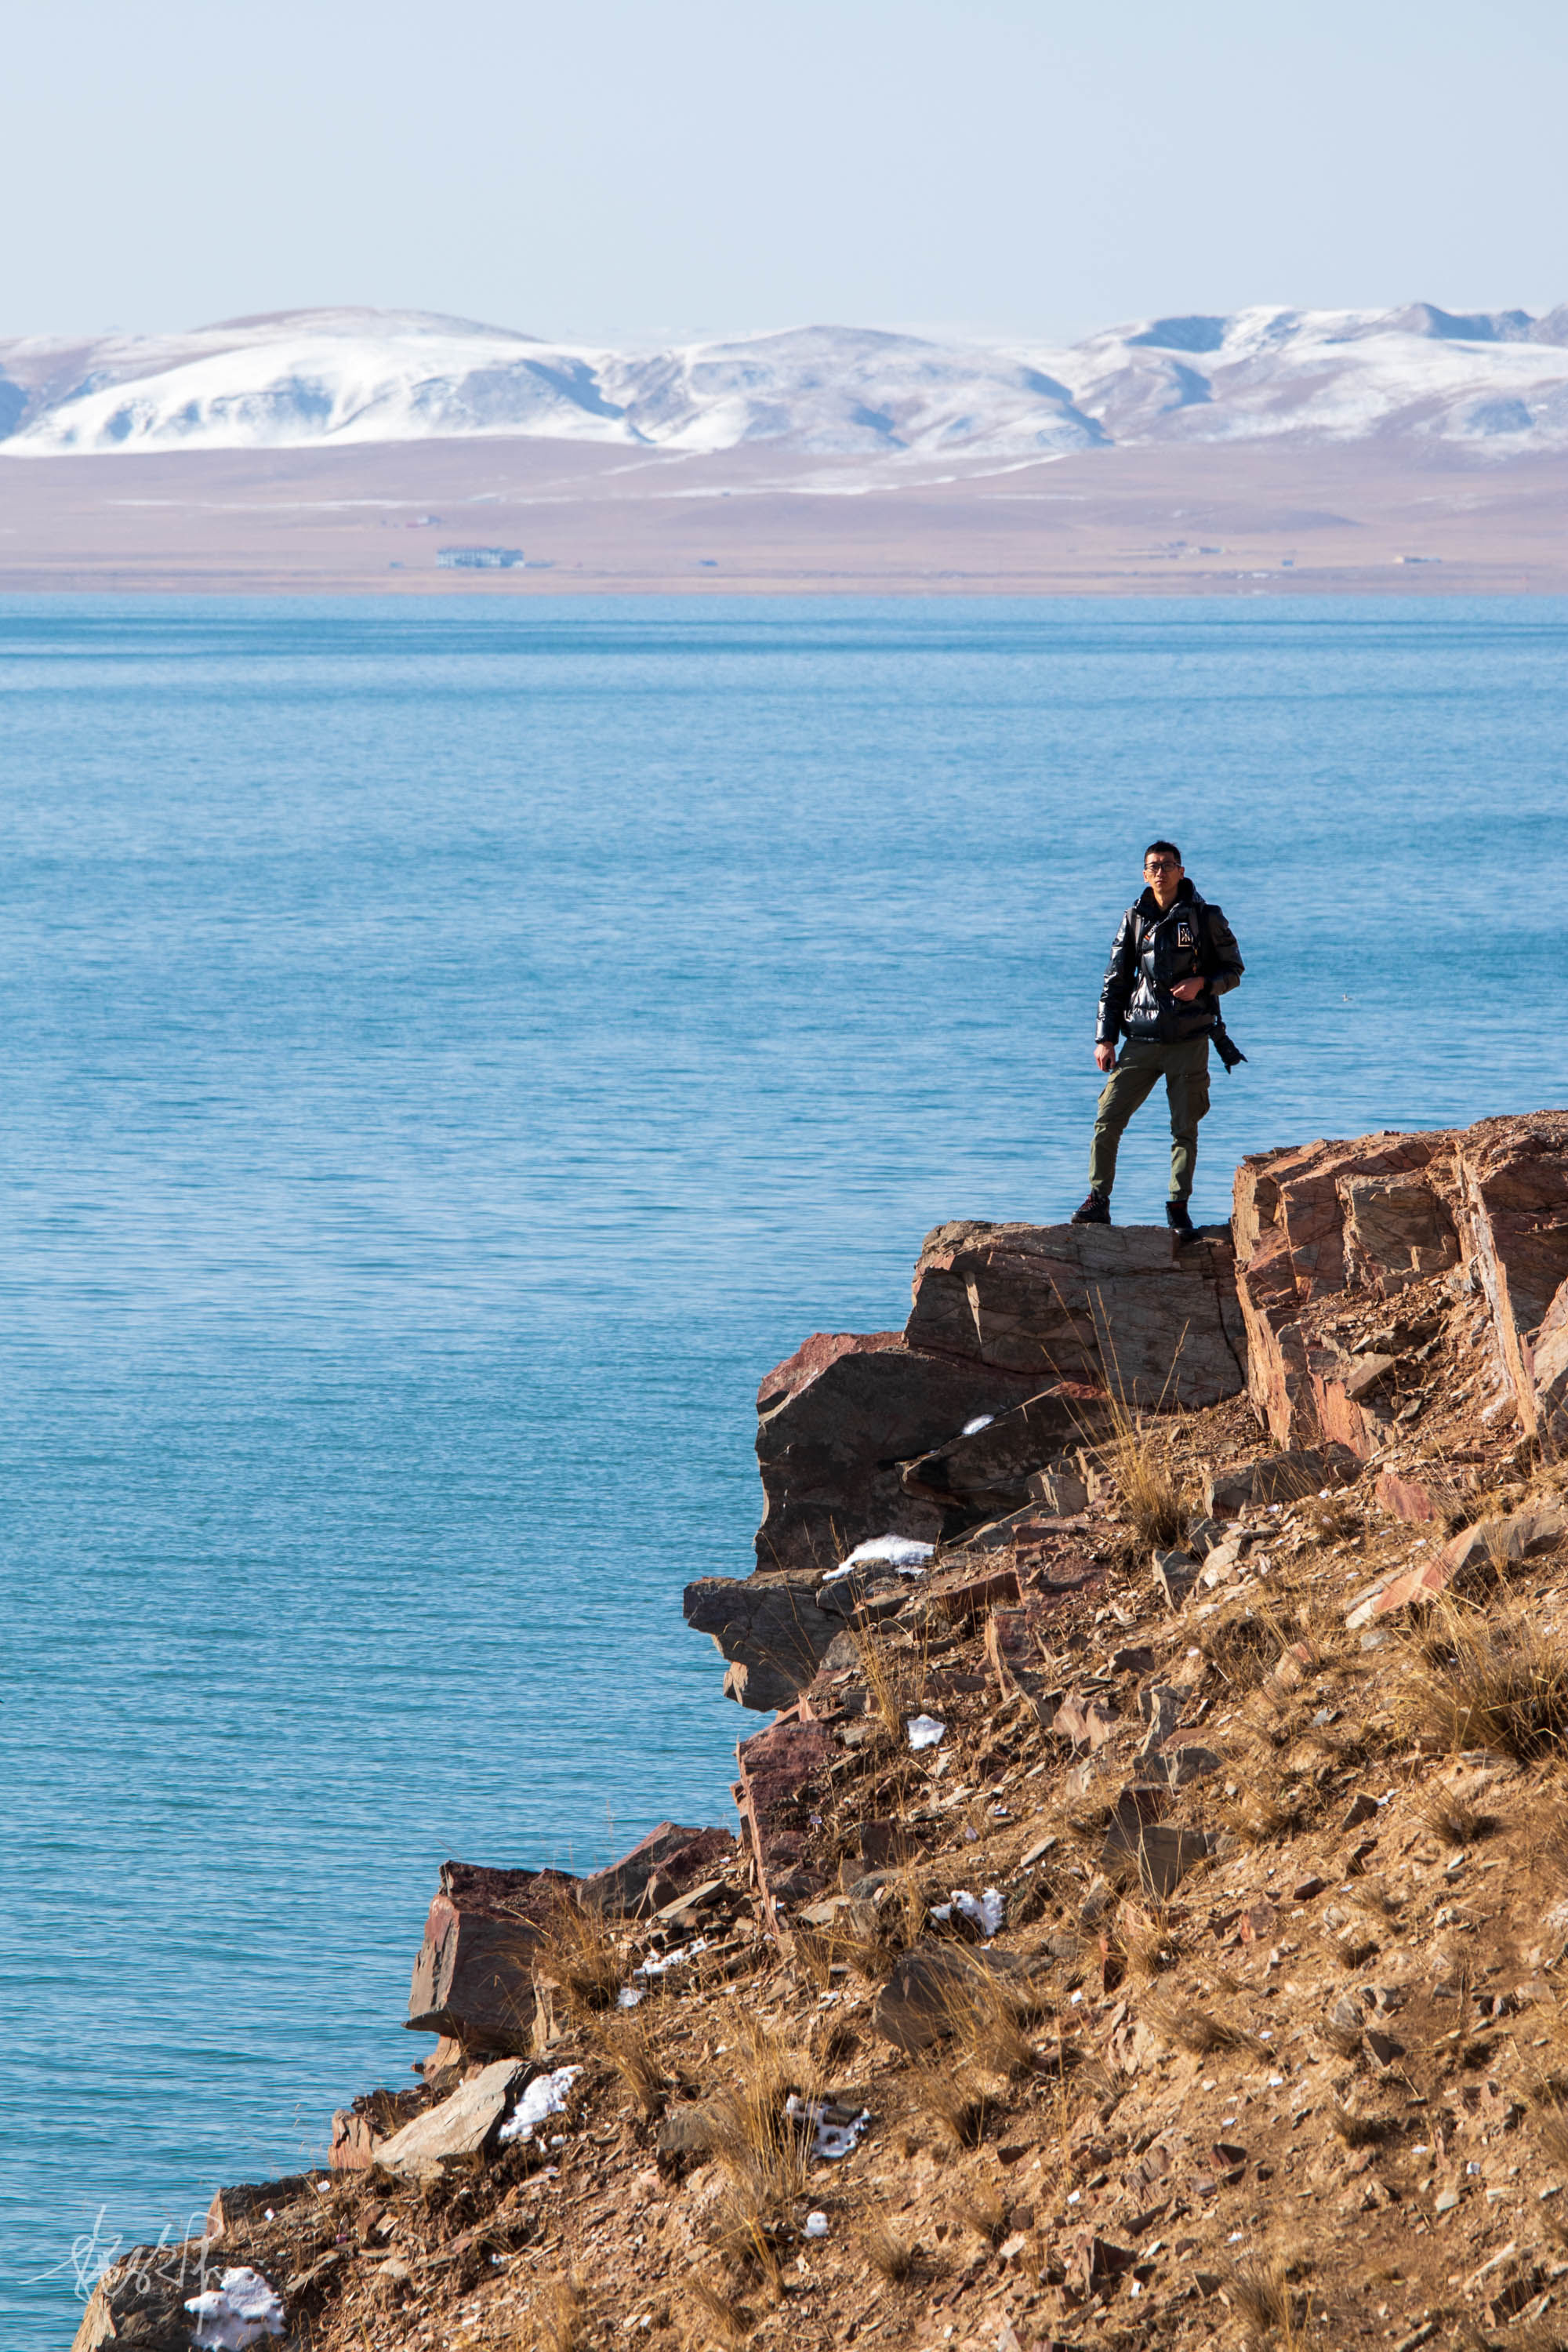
x=1115, y=1308
x=472, y=1979
x=834, y=1424
x=865, y=1435
x=1415, y=1221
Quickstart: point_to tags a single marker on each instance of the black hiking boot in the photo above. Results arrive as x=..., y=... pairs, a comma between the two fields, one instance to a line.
x=1095, y=1211
x=1176, y=1217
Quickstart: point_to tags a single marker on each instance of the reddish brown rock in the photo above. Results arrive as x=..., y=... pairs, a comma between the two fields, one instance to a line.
x=1551, y=1366
x=1515, y=1193
x=835, y=1422
x=780, y=1770
x=1405, y=1498
x=473, y=1977
x=1330, y=1221
x=1110, y=1307
x=661, y=1866
x=993, y=1471
x=770, y=1629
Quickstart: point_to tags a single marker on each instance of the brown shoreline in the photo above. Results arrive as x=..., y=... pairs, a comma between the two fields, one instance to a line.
x=1272, y=518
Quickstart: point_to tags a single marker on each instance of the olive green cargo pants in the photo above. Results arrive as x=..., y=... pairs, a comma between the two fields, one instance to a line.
x=1185, y=1067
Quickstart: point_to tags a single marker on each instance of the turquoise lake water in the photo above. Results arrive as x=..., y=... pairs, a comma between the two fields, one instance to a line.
x=451, y=1051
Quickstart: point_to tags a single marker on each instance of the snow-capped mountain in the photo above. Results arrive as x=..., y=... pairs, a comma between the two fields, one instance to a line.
x=318, y=378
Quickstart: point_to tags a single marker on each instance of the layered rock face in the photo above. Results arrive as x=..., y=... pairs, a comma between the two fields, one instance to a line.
x=1413, y=1220
x=1017, y=1338
x=1003, y=1317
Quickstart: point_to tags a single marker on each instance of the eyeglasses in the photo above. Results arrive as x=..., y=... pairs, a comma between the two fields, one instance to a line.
x=1161, y=864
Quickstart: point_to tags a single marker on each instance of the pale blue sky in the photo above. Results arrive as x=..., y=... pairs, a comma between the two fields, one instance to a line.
x=628, y=170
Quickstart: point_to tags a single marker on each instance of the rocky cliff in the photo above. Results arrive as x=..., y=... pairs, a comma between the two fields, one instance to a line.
x=1146, y=1917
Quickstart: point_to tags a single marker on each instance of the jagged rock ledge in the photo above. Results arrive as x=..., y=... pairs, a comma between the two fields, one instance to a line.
x=1232, y=1914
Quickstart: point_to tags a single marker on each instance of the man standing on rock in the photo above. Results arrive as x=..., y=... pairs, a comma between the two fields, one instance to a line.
x=1173, y=957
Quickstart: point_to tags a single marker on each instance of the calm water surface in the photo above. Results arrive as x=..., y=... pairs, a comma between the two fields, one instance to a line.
x=451, y=1051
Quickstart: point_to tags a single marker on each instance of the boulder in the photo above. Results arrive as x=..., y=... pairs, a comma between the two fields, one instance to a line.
x=1550, y=1363
x=1316, y=1226
x=1396, y=1230
x=990, y=1472
x=1286, y=1478
x=460, y=2126
x=665, y=1864
x=1514, y=1185
x=1111, y=1307
x=836, y=1422
x=781, y=1769
x=930, y=1990
x=473, y=1977
x=140, y=2300
x=771, y=1630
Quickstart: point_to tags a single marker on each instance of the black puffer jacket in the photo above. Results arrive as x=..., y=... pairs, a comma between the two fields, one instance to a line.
x=1151, y=953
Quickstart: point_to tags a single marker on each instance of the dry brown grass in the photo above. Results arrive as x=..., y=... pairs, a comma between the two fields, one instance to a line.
x=1489, y=1679
x=1261, y=1816
x=1197, y=2030
x=1147, y=1940
x=982, y=2211
x=722, y=2318
x=893, y=2257
x=1155, y=1503
x=1455, y=1820
x=560, y=2315
x=1359, y=2130
x=956, y=2107
x=624, y=2038
x=577, y=1951
x=1551, y=2124
x=1260, y=2296
x=763, y=2152
x=1247, y=1644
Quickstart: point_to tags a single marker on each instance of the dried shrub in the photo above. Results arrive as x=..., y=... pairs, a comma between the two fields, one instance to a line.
x=623, y=2040
x=765, y=2151
x=891, y=2256
x=1359, y=2130
x=1260, y=2296
x=1153, y=1498
x=1247, y=1644
x=955, y=2107
x=1551, y=2124
x=1260, y=1816
x=1456, y=1821
x=1495, y=1680
x=1197, y=2030
x=982, y=2211
x=1147, y=1940
x=560, y=2315
x=577, y=1951
x=723, y=2317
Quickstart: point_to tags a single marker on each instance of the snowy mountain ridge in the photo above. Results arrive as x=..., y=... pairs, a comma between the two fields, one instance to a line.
x=1498, y=379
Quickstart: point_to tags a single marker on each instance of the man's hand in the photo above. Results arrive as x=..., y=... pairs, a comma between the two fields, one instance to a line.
x=1105, y=1057
x=1185, y=990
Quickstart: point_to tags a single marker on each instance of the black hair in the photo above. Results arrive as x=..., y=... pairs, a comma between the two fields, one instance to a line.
x=1169, y=847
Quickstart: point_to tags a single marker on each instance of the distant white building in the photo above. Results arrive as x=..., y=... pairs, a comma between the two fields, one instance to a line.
x=477, y=559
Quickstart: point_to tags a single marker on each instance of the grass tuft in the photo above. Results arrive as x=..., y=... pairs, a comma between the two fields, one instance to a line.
x=1260, y=2296
x=577, y=1951
x=1359, y=2130
x=1491, y=1679
x=724, y=2319
x=1197, y=2030
x=955, y=2106
x=560, y=2315
x=890, y=2255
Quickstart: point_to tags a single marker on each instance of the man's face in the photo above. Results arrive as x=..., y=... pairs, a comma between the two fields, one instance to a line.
x=1163, y=873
